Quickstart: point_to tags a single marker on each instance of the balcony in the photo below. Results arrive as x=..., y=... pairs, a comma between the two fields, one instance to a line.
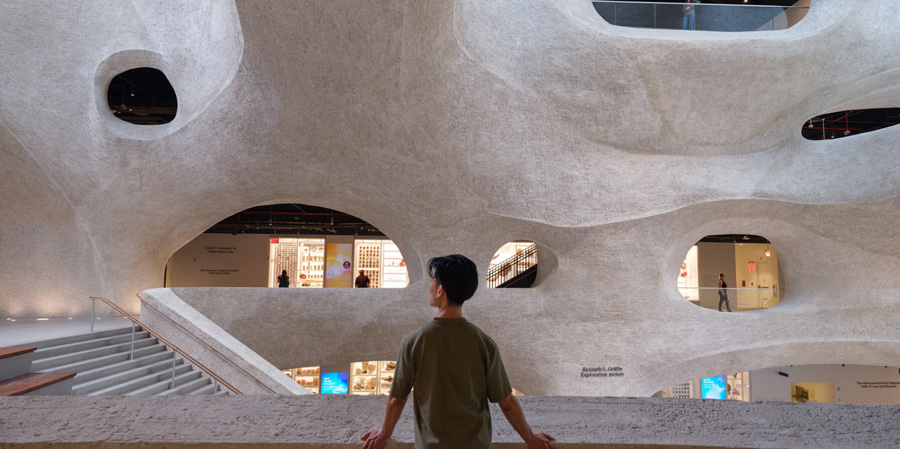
x=706, y=17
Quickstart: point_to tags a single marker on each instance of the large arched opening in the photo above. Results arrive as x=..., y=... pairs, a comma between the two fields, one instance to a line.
x=837, y=383
x=291, y=246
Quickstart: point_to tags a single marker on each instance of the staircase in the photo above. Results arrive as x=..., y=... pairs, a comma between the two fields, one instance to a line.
x=517, y=271
x=104, y=365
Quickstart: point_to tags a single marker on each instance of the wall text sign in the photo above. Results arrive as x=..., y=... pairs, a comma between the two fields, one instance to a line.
x=603, y=371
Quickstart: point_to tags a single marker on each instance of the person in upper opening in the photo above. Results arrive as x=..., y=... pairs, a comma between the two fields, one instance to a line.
x=284, y=281
x=455, y=369
x=362, y=281
x=723, y=292
x=690, y=14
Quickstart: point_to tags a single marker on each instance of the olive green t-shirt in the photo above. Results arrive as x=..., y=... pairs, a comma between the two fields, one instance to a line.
x=455, y=369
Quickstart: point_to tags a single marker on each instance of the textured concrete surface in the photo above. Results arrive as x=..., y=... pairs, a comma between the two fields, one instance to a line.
x=457, y=126
x=315, y=421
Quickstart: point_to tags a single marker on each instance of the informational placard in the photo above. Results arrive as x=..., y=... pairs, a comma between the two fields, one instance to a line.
x=334, y=383
x=339, y=265
x=221, y=260
x=713, y=387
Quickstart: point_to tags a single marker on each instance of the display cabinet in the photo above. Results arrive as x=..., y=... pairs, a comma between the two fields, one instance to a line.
x=382, y=262
x=307, y=377
x=371, y=377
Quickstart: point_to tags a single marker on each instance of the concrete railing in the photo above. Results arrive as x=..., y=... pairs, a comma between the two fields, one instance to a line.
x=190, y=330
x=315, y=421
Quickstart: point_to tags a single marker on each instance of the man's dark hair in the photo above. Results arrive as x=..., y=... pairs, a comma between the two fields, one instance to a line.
x=457, y=274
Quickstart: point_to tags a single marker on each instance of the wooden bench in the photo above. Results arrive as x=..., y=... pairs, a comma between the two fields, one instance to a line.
x=14, y=351
x=27, y=383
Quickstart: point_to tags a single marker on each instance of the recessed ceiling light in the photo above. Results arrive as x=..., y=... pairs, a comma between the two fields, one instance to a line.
x=43, y=319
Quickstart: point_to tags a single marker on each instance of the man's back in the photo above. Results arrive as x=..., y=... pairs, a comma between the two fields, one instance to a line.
x=455, y=369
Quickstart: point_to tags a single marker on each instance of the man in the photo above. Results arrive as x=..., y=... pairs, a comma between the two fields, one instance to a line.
x=690, y=14
x=362, y=281
x=456, y=369
x=723, y=292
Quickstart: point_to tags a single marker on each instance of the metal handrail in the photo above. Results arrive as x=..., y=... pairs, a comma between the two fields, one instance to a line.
x=205, y=343
x=733, y=288
x=514, y=263
x=616, y=3
x=169, y=344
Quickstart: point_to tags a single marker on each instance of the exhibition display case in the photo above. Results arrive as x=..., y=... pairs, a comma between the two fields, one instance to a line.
x=371, y=377
x=303, y=259
x=307, y=377
x=382, y=262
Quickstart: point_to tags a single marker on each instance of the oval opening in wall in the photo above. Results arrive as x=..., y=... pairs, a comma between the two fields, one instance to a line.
x=836, y=125
x=697, y=15
x=731, y=273
x=142, y=96
x=514, y=265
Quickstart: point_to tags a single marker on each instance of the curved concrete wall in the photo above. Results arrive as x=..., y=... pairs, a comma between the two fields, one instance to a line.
x=455, y=127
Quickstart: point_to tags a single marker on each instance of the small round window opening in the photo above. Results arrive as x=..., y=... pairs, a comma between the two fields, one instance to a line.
x=514, y=265
x=142, y=96
x=731, y=273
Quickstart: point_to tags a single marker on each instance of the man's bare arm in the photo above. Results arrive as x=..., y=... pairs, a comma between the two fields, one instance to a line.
x=377, y=439
x=516, y=417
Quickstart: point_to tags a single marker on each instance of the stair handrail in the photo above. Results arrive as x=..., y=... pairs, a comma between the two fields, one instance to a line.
x=175, y=348
x=145, y=303
x=527, y=255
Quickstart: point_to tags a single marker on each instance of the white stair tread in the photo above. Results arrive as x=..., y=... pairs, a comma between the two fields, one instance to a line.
x=140, y=383
x=164, y=382
x=124, y=376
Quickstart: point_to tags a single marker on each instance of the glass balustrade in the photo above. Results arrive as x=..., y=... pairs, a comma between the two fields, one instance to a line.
x=700, y=16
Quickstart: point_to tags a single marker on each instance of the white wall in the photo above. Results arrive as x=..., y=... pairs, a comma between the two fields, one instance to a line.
x=853, y=384
x=221, y=260
x=712, y=259
x=765, y=273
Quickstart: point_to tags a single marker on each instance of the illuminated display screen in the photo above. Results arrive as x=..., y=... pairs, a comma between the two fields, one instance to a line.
x=713, y=387
x=334, y=383
x=339, y=265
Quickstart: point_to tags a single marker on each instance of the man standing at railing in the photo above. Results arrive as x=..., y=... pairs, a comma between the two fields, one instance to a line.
x=456, y=370
x=690, y=14
x=723, y=292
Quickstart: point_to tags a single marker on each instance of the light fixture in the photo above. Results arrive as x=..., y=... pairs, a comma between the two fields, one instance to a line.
x=43, y=319
x=768, y=253
x=751, y=265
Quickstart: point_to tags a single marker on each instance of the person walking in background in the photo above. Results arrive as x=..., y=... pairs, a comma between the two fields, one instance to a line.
x=723, y=292
x=456, y=370
x=284, y=281
x=690, y=14
x=362, y=281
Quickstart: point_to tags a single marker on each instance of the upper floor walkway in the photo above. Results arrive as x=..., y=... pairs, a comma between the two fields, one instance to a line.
x=768, y=15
